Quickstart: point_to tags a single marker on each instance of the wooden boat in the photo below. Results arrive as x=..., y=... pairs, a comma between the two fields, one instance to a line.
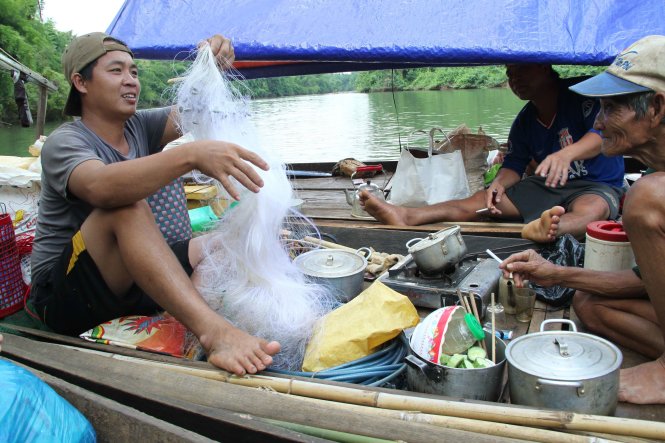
x=182, y=400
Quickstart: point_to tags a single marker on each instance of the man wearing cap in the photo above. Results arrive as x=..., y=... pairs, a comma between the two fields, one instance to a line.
x=98, y=253
x=626, y=306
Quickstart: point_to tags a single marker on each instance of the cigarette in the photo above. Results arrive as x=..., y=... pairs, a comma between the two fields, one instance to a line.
x=493, y=255
x=482, y=210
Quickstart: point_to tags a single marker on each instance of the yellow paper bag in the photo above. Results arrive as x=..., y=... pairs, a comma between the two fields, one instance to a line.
x=359, y=327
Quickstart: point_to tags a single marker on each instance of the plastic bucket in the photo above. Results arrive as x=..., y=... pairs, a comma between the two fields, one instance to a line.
x=607, y=247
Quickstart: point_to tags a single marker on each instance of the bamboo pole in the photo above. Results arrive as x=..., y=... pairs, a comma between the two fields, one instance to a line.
x=501, y=414
x=493, y=330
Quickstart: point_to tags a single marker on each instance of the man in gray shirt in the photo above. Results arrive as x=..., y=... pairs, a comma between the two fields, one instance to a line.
x=98, y=253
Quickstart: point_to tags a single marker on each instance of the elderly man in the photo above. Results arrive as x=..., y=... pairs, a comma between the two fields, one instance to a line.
x=628, y=306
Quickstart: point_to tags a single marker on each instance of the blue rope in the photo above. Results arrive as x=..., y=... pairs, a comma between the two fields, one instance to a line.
x=376, y=369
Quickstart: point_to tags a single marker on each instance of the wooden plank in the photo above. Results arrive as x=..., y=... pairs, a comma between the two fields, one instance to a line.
x=190, y=401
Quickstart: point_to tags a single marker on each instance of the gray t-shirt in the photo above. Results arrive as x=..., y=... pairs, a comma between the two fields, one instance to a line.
x=62, y=214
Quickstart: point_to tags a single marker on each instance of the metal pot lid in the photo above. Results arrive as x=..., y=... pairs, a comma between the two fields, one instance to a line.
x=433, y=239
x=563, y=355
x=330, y=263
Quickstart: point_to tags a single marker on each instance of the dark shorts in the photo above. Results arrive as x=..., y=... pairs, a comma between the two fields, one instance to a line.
x=74, y=298
x=531, y=197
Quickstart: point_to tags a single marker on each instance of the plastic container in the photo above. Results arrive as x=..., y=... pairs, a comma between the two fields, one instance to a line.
x=607, y=247
x=448, y=330
x=202, y=218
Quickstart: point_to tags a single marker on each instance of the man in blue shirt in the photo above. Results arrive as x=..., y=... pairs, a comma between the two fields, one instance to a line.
x=573, y=184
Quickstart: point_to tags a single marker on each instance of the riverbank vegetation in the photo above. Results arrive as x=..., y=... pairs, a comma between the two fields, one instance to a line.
x=26, y=38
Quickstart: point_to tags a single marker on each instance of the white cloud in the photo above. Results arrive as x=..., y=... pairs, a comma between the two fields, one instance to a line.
x=81, y=16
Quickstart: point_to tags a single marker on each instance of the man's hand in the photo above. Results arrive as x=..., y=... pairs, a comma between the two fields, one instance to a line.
x=222, y=49
x=222, y=160
x=493, y=196
x=555, y=167
x=529, y=265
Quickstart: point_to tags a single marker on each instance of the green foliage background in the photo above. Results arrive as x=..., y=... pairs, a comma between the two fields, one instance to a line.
x=38, y=45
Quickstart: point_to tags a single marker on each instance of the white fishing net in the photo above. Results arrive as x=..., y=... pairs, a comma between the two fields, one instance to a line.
x=247, y=274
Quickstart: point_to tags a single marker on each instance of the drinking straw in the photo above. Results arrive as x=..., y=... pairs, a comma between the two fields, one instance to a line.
x=493, y=330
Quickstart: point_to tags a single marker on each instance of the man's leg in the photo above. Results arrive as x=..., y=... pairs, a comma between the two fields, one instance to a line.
x=463, y=210
x=128, y=248
x=629, y=322
x=556, y=221
x=644, y=221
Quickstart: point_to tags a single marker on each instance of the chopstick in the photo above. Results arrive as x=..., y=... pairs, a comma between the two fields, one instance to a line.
x=475, y=313
x=493, y=330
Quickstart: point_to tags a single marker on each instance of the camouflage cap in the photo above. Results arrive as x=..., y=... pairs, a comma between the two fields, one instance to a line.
x=639, y=68
x=82, y=51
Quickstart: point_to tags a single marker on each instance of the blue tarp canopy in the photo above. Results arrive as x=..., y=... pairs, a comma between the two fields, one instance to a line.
x=351, y=35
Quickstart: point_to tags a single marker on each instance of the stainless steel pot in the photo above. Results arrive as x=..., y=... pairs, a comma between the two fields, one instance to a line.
x=438, y=251
x=341, y=271
x=475, y=384
x=565, y=370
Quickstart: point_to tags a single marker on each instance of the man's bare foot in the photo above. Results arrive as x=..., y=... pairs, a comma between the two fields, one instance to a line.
x=546, y=228
x=643, y=384
x=238, y=352
x=383, y=211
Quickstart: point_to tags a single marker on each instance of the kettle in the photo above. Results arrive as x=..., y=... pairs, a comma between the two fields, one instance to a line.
x=353, y=199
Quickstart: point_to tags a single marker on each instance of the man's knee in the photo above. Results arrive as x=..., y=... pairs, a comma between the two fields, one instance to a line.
x=585, y=307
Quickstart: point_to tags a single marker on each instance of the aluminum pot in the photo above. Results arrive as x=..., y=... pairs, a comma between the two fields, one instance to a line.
x=475, y=384
x=438, y=251
x=341, y=271
x=565, y=370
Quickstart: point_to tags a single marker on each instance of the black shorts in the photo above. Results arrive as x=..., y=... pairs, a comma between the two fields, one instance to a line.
x=74, y=297
x=531, y=196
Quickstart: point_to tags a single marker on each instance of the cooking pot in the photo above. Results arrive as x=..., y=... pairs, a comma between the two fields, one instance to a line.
x=566, y=370
x=341, y=271
x=475, y=384
x=438, y=251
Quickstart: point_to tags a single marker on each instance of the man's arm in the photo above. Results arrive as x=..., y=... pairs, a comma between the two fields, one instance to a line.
x=555, y=166
x=124, y=183
x=529, y=265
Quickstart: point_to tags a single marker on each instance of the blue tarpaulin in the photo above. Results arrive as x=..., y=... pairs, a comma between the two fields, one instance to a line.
x=349, y=35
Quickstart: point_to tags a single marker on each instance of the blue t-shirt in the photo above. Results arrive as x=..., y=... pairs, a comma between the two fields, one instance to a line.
x=530, y=139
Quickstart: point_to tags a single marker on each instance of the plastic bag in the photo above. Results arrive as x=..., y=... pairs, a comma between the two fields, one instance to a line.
x=566, y=251
x=30, y=411
x=433, y=179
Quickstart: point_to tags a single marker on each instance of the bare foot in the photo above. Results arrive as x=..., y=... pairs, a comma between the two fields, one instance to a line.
x=546, y=228
x=643, y=384
x=383, y=211
x=238, y=352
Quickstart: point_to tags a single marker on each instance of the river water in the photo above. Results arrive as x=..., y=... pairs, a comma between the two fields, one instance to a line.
x=368, y=127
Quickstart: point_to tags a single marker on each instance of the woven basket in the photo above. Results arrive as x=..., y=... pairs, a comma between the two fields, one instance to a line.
x=12, y=287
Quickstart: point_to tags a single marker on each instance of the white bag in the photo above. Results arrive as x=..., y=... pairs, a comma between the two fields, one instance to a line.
x=426, y=181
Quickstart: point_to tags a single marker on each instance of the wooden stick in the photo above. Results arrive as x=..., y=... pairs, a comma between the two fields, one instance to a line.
x=493, y=331
x=327, y=244
x=475, y=313
x=461, y=300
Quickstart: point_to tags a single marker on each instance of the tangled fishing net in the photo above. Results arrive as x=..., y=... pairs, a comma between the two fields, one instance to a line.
x=247, y=274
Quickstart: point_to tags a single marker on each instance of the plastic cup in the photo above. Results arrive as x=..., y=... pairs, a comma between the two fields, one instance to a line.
x=525, y=299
